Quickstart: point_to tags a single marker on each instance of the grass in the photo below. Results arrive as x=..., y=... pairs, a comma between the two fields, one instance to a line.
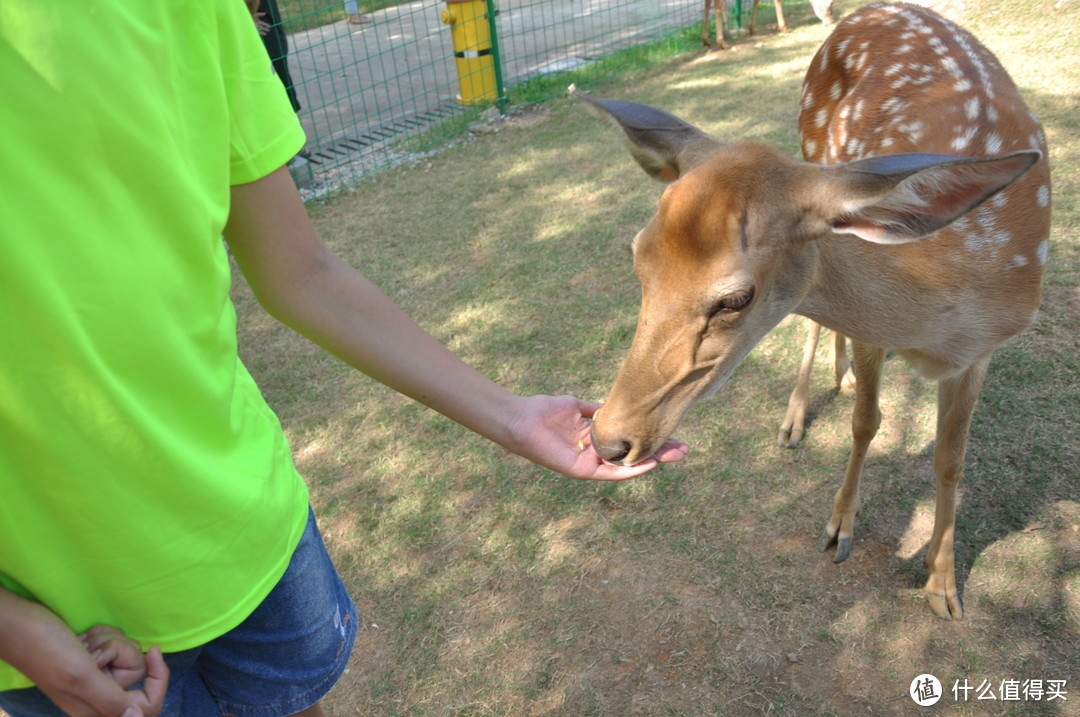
x=488, y=586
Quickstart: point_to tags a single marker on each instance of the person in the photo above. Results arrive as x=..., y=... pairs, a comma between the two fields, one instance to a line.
x=352, y=11
x=158, y=553
x=268, y=19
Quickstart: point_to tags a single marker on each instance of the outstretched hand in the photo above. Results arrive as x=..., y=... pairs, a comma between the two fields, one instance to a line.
x=554, y=432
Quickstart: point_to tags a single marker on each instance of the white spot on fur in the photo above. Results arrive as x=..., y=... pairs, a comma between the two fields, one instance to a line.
x=971, y=108
x=836, y=90
x=822, y=117
x=913, y=129
x=952, y=66
x=1017, y=261
x=993, y=143
x=1042, y=252
x=1043, y=196
x=962, y=86
x=962, y=141
x=810, y=148
x=894, y=104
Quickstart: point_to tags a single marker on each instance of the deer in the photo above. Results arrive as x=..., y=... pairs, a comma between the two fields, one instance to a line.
x=822, y=8
x=918, y=222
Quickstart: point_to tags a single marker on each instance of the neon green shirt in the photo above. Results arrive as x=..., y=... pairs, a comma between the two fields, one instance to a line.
x=144, y=482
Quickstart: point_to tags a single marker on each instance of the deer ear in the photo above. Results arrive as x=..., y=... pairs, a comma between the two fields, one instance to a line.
x=896, y=199
x=664, y=145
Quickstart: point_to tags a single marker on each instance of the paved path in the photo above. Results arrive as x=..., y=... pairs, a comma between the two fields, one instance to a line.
x=361, y=85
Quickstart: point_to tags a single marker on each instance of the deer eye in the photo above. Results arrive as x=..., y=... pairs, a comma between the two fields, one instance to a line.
x=734, y=302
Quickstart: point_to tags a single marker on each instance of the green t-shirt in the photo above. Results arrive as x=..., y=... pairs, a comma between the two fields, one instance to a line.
x=144, y=482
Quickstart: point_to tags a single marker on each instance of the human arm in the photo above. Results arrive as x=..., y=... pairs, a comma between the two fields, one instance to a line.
x=307, y=287
x=38, y=644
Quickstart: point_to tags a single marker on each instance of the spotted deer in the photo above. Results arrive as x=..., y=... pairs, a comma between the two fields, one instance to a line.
x=920, y=224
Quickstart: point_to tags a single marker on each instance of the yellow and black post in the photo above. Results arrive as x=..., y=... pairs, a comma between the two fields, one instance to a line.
x=471, y=28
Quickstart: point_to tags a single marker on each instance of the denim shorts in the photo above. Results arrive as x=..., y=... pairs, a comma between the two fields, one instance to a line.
x=281, y=660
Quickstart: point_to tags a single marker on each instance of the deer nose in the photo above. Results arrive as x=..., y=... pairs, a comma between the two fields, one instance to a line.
x=612, y=450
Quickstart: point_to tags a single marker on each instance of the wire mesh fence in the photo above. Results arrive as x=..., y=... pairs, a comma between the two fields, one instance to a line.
x=375, y=85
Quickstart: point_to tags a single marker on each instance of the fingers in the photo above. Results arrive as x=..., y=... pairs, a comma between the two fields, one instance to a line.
x=115, y=654
x=672, y=451
x=103, y=636
x=157, y=679
x=587, y=408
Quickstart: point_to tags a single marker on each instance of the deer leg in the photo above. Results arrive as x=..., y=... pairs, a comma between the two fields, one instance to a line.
x=865, y=420
x=956, y=402
x=720, y=7
x=794, y=425
x=780, y=16
x=845, y=377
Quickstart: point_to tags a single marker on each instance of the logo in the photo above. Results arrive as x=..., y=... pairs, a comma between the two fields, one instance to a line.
x=925, y=690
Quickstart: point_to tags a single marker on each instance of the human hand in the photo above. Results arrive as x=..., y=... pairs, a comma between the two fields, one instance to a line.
x=38, y=644
x=554, y=432
x=115, y=654
x=261, y=24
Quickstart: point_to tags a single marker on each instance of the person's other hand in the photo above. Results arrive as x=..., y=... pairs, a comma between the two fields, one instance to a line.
x=115, y=654
x=39, y=645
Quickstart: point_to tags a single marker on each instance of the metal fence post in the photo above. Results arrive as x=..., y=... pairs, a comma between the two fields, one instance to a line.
x=496, y=56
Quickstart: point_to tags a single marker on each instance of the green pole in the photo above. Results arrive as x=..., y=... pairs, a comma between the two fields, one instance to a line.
x=500, y=89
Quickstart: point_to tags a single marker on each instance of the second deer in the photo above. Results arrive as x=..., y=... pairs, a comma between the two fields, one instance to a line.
x=822, y=8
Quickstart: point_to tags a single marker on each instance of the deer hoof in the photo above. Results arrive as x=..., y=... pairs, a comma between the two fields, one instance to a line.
x=828, y=539
x=947, y=607
x=843, y=549
x=843, y=544
x=789, y=437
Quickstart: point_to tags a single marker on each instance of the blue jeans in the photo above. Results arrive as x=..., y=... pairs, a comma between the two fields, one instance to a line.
x=281, y=660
